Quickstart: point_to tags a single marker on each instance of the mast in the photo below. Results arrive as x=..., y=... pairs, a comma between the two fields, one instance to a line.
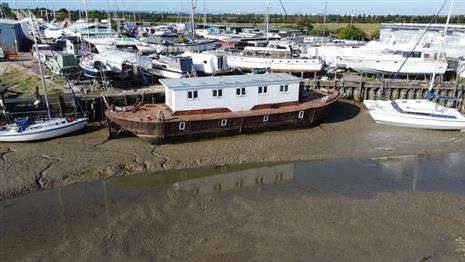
x=87, y=22
x=324, y=18
x=431, y=85
x=204, y=15
x=193, y=6
x=44, y=86
x=267, y=18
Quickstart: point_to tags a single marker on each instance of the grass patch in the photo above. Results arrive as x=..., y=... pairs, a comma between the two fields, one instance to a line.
x=22, y=83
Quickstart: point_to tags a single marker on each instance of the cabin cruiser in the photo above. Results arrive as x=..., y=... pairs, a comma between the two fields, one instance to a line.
x=279, y=56
x=209, y=62
x=114, y=62
x=421, y=61
x=169, y=66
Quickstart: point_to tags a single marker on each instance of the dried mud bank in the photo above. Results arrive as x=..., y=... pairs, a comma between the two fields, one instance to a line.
x=89, y=156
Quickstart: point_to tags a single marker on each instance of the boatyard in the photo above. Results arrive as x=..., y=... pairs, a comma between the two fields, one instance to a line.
x=180, y=133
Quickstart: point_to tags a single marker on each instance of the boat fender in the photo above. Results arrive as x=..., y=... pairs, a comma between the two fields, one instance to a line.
x=325, y=99
x=69, y=119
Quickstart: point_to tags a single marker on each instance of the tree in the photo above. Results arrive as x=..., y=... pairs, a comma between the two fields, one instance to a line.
x=351, y=33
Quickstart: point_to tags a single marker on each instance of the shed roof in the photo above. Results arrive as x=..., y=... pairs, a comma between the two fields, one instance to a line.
x=218, y=81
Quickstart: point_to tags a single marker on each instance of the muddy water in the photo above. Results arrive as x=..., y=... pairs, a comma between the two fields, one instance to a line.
x=115, y=217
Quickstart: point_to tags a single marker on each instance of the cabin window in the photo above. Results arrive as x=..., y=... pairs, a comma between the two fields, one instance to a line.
x=263, y=90
x=192, y=95
x=224, y=122
x=217, y=93
x=182, y=125
x=301, y=114
x=266, y=118
x=284, y=89
x=240, y=91
x=205, y=61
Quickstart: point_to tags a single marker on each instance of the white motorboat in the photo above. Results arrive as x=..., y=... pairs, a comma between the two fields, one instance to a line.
x=278, y=56
x=422, y=113
x=421, y=61
x=172, y=67
x=209, y=62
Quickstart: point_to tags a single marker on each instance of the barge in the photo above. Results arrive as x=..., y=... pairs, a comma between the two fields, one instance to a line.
x=225, y=105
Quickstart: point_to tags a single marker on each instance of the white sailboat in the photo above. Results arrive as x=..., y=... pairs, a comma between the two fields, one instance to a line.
x=422, y=113
x=25, y=129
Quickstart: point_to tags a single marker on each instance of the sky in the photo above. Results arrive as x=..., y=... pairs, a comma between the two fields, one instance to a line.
x=377, y=7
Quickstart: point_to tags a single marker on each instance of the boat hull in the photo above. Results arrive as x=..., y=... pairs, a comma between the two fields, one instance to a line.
x=413, y=121
x=390, y=66
x=47, y=133
x=228, y=124
x=276, y=65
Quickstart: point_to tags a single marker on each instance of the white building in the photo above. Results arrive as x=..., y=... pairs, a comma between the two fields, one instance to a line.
x=236, y=93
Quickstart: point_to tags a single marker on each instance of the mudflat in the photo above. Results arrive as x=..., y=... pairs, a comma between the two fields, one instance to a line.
x=383, y=209
x=88, y=156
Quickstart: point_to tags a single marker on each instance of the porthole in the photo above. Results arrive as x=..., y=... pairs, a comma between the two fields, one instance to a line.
x=301, y=114
x=182, y=125
x=266, y=118
x=224, y=122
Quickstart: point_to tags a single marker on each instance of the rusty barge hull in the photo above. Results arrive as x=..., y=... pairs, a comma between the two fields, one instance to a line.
x=220, y=124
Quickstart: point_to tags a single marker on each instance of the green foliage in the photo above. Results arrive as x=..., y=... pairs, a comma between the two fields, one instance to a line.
x=375, y=35
x=5, y=11
x=352, y=33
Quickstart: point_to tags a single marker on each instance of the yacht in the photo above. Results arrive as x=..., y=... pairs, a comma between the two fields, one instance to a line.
x=279, y=56
x=421, y=61
x=169, y=66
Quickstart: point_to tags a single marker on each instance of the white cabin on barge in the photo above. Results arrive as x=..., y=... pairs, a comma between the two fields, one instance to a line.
x=235, y=93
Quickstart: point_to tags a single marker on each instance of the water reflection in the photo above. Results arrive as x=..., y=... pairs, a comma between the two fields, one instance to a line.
x=238, y=179
x=46, y=219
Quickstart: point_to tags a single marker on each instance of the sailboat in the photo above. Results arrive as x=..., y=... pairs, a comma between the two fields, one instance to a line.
x=423, y=113
x=25, y=129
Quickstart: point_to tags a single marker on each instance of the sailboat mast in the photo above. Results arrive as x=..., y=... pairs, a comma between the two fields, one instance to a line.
x=204, y=15
x=324, y=18
x=431, y=85
x=44, y=86
x=267, y=18
x=87, y=22
x=193, y=6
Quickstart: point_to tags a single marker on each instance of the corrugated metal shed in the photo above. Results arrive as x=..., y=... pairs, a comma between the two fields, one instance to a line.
x=242, y=80
x=12, y=38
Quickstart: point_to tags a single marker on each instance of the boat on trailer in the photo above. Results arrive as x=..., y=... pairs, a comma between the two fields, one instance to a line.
x=225, y=105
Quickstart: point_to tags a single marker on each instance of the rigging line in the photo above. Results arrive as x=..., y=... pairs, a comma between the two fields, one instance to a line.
x=68, y=83
x=392, y=77
x=282, y=5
